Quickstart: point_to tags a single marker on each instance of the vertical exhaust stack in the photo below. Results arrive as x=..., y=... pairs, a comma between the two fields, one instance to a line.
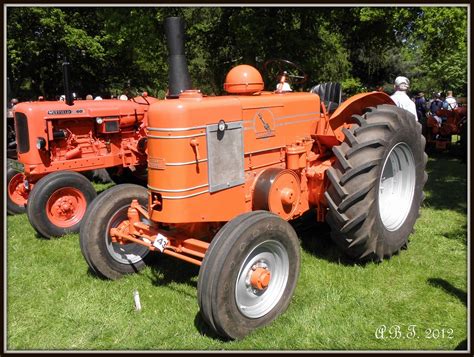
x=67, y=89
x=179, y=79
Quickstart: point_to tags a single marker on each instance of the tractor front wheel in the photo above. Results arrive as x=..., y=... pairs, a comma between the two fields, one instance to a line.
x=58, y=202
x=17, y=194
x=249, y=274
x=376, y=185
x=110, y=258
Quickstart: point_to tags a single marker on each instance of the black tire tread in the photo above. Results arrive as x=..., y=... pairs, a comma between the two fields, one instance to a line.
x=216, y=259
x=207, y=271
x=91, y=239
x=40, y=193
x=357, y=171
x=353, y=180
x=360, y=146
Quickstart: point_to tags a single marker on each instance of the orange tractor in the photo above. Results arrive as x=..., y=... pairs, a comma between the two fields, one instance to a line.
x=56, y=140
x=451, y=122
x=228, y=173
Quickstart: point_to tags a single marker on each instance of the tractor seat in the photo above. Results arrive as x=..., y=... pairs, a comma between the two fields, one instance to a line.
x=330, y=94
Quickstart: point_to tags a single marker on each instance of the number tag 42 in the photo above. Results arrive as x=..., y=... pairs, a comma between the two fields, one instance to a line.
x=160, y=242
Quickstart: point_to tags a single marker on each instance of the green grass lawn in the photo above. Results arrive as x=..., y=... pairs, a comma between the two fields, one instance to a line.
x=54, y=302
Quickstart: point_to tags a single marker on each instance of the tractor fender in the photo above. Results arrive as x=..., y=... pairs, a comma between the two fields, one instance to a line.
x=356, y=104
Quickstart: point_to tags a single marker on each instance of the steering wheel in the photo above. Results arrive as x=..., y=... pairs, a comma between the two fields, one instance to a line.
x=275, y=68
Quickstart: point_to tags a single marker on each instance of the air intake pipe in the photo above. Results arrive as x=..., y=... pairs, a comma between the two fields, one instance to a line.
x=178, y=75
x=66, y=80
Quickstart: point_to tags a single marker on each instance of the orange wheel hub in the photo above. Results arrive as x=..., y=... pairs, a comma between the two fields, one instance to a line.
x=260, y=278
x=287, y=196
x=66, y=207
x=17, y=190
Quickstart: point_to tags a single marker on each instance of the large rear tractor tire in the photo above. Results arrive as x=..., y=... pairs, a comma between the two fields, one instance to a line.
x=249, y=274
x=106, y=258
x=376, y=185
x=17, y=195
x=58, y=202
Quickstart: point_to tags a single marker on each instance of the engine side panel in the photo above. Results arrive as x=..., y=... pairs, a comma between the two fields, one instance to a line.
x=183, y=164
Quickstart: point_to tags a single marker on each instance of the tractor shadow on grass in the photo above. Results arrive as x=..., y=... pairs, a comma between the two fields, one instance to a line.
x=459, y=234
x=315, y=239
x=167, y=270
x=446, y=187
x=171, y=272
x=205, y=330
x=41, y=237
x=449, y=288
x=452, y=290
x=93, y=274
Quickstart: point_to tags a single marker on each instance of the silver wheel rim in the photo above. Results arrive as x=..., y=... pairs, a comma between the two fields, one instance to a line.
x=129, y=253
x=254, y=303
x=397, y=186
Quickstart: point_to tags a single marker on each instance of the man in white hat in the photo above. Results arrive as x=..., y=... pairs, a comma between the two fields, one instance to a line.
x=400, y=96
x=450, y=101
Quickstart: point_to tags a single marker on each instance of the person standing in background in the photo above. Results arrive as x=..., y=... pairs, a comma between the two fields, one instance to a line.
x=400, y=97
x=450, y=102
x=420, y=103
x=436, y=104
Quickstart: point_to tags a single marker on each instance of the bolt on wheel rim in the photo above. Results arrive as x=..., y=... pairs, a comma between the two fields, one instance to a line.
x=271, y=258
x=66, y=207
x=128, y=253
x=397, y=186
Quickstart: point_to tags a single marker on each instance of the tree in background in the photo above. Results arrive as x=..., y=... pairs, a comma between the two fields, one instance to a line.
x=439, y=49
x=38, y=39
x=122, y=49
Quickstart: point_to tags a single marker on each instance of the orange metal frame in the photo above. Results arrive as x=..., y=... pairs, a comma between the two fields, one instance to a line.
x=85, y=143
x=450, y=126
x=289, y=131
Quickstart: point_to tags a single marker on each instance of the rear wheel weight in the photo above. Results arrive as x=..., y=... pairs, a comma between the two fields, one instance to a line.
x=106, y=258
x=376, y=186
x=255, y=267
x=58, y=202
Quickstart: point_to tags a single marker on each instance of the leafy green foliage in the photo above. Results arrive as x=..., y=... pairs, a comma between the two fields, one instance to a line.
x=441, y=38
x=351, y=86
x=122, y=49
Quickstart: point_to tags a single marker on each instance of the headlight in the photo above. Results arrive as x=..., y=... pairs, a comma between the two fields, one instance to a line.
x=40, y=143
x=99, y=120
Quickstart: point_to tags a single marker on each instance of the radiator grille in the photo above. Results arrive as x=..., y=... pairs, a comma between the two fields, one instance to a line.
x=225, y=152
x=22, y=138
